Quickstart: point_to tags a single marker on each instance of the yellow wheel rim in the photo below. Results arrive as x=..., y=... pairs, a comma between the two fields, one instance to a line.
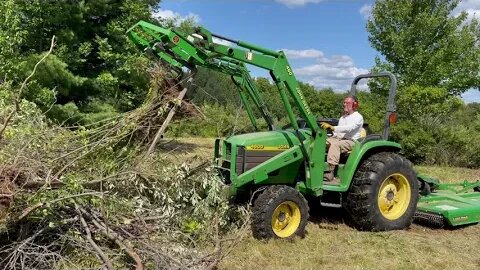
x=286, y=219
x=394, y=196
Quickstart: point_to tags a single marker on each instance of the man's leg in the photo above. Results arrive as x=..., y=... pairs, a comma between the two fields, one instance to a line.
x=337, y=146
x=346, y=146
x=333, y=154
x=333, y=157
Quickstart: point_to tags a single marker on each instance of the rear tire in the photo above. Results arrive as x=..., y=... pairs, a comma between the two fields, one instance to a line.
x=384, y=193
x=279, y=212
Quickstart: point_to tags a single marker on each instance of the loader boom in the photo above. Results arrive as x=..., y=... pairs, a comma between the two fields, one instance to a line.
x=198, y=48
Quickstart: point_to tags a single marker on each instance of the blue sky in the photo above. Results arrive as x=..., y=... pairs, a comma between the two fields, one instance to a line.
x=325, y=41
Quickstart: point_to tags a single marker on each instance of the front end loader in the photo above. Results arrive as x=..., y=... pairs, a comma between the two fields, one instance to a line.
x=280, y=168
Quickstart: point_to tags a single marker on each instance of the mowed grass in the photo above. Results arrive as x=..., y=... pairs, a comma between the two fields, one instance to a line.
x=331, y=244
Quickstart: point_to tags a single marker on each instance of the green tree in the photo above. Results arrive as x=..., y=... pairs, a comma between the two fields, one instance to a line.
x=12, y=36
x=427, y=128
x=425, y=44
x=271, y=95
x=213, y=87
x=94, y=61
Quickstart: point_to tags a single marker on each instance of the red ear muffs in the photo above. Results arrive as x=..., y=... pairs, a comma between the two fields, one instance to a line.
x=355, y=104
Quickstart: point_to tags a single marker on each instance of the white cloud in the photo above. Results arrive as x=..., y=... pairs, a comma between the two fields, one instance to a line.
x=166, y=14
x=310, y=53
x=472, y=7
x=171, y=15
x=298, y=3
x=366, y=11
x=336, y=71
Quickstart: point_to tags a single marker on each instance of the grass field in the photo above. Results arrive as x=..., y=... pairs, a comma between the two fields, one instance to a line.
x=331, y=244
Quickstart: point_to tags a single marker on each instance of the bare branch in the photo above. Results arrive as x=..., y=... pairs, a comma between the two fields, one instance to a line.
x=97, y=249
x=18, y=98
x=119, y=240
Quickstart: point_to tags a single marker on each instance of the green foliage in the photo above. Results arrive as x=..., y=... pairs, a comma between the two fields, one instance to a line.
x=94, y=61
x=372, y=107
x=432, y=130
x=425, y=44
x=12, y=36
x=271, y=96
x=427, y=104
x=220, y=121
x=21, y=124
x=213, y=87
x=325, y=103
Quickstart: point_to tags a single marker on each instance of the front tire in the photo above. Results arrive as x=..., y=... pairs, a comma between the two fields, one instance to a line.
x=384, y=193
x=279, y=212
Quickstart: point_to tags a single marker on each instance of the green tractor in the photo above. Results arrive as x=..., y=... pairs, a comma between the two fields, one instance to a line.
x=280, y=169
x=378, y=187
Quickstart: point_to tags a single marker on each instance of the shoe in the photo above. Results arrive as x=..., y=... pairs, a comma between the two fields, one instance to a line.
x=329, y=176
x=334, y=182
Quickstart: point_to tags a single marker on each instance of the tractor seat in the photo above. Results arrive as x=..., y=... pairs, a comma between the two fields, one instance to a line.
x=368, y=138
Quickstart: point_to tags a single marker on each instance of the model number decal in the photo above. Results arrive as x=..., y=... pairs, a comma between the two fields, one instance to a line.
x=268, y=148
x=462, y=218
x=289, y=71
x=256, y=147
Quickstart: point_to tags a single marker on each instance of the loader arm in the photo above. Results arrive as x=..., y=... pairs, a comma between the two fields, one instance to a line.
x=198, y=49
x=247, y=89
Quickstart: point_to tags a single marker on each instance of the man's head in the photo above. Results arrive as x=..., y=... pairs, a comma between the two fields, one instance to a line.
x=350, y=104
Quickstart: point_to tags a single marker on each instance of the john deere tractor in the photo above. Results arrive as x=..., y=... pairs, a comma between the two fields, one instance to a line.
x=279, y=168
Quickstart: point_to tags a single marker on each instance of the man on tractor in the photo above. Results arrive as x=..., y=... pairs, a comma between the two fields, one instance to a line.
x=345, y=134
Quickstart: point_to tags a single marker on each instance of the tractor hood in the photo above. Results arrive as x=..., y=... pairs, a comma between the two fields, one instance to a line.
x=268, y=140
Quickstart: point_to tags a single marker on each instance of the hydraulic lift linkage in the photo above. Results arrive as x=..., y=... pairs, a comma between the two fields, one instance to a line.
x=439, y=204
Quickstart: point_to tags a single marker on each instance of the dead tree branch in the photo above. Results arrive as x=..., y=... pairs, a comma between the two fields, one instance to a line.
x=29, y=210
x=119, y=240
x=97, y=249
x=170, y=115
x=18, y=98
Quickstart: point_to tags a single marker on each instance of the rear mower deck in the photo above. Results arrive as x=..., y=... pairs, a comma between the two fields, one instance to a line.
x=448, y=204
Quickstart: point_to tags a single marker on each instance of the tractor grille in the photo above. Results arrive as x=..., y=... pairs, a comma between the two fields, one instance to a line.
x=248, y=159
x=225, y=166
x=245, y=160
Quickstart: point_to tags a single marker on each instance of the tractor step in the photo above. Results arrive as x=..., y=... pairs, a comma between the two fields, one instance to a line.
x=331, y=205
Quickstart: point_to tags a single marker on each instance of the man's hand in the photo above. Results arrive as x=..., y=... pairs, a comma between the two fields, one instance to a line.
x=327, y=126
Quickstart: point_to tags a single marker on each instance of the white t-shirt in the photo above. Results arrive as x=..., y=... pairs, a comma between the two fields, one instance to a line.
x=349, y=126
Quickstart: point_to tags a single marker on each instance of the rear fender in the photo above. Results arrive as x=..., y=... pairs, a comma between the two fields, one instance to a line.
x=360, y=152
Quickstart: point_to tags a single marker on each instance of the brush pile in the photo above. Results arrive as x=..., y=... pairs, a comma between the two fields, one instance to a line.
x=90, y=197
